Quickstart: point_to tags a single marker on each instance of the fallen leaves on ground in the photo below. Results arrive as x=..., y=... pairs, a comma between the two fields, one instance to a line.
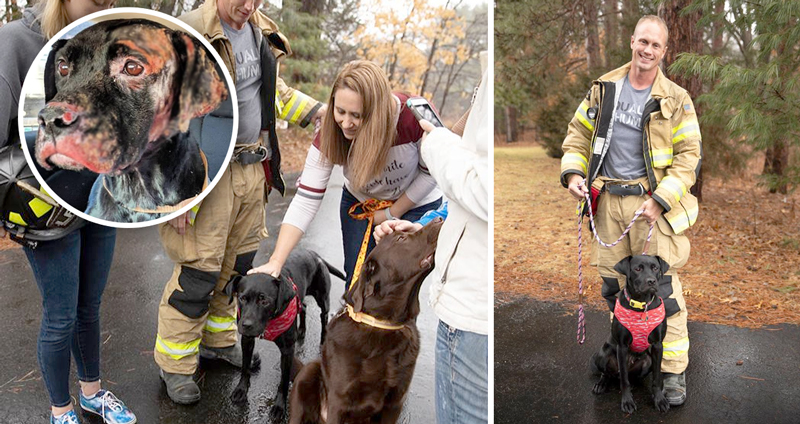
x=744, y=269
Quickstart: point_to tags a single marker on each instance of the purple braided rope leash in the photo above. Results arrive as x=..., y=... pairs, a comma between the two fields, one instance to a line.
x=587, y=198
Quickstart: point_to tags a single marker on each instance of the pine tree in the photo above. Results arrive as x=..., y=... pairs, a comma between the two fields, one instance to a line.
x=756, y=93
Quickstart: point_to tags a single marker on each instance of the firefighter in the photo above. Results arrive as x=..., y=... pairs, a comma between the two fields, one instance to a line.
x=220, y=238
x=634, y=143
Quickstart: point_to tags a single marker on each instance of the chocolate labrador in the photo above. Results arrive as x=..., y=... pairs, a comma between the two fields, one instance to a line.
x=369, y=355
x=120, y=96
x=269, y=308
x=637, y=332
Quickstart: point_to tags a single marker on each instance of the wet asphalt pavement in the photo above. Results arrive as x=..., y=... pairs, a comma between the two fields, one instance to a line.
x=542, y=374
x=128, y=322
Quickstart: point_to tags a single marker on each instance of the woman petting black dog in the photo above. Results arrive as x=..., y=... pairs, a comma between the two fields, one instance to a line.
x=369, y=131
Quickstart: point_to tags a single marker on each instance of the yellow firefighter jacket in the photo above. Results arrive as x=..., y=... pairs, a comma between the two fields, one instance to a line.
x=671, y=141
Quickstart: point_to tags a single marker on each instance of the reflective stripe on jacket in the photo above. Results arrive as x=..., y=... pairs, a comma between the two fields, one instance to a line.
x=671, y=138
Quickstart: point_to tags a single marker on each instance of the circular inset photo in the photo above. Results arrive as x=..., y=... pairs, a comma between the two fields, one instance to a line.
x=128, y=119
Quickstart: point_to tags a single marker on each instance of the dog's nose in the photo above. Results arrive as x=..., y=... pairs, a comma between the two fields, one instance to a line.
x=248, y=324
x=59, y=118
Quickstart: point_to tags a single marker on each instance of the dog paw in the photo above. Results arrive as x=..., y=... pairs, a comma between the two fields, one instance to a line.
x=628, y=405
x=277, y=412
x=255, y=363
x=661, y=403
x=599, y=388
x=239, y=394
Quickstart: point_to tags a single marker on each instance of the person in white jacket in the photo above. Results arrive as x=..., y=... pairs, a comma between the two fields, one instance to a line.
x=459, y=293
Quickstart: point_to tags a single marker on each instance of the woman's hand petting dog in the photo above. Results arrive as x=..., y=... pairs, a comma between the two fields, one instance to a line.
x=388, y=227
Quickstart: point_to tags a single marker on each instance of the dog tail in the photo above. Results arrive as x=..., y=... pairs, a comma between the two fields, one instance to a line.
x=333, y=270
x=306, y=397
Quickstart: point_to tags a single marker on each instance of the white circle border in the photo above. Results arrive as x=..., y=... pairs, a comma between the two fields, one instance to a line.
x=170, y=22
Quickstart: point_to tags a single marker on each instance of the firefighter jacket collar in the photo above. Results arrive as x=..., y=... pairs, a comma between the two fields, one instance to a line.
x=661, y=89
x=212, y=27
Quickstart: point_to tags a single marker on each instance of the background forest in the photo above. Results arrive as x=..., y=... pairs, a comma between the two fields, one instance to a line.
x=426, y=47
x=739, y=59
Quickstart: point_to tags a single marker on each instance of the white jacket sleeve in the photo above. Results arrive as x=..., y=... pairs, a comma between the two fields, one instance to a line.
x=462, y=174
x=310, y=190
x=461, y=166
x=423, y=183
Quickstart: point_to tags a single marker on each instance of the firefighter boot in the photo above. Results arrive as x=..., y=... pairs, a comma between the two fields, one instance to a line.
x=181, y=388
x=675, y=388
x=230, y=354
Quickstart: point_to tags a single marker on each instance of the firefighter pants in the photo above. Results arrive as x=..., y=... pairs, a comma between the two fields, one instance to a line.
x=614, y=213
x=223, y=240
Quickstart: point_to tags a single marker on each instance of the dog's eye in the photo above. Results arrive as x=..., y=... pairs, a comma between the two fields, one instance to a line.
x=63, y=67
x=638, y=268
x=133, y=69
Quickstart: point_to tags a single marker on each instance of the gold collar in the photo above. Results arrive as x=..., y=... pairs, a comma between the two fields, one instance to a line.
x=370, y=320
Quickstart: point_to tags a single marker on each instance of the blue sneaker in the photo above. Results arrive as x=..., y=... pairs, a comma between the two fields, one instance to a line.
x=106, y=405
x=67, y=418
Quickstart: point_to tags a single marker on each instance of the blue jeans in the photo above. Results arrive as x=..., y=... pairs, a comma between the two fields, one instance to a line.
x=353, y=230
x=462, y=374
x=71, y=273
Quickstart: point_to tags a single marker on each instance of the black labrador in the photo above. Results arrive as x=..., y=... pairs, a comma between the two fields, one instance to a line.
x=637, y=332
x=120, y=96
x=270, y=307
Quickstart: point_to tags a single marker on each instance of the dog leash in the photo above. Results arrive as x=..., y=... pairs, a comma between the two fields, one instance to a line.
x=581, y=335
x=368, y=208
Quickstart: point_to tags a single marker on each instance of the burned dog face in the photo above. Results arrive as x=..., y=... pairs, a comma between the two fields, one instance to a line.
x=116, y=89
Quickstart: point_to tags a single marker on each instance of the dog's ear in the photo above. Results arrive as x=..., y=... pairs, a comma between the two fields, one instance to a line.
x=232, y=287
x=664, y=265
x=366, y=284
x=285, y=292
x=199, y=87
x=50, y=89
x=624, y=266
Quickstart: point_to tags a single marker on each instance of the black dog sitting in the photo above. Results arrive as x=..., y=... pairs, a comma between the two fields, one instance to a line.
x=637, y=332
x=120, y=96
x=269, y=308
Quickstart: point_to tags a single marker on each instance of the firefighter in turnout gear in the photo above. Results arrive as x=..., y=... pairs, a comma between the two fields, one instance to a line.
x=635, y=140
x=195, y=317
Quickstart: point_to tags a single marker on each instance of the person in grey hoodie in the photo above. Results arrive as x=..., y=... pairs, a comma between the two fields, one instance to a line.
x=71, y=271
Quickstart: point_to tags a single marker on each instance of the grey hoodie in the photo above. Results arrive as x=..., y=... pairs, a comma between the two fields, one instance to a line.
x=20, y=43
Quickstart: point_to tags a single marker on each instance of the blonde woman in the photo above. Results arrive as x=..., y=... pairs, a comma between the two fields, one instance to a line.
x=369, y=131
x=71, y=271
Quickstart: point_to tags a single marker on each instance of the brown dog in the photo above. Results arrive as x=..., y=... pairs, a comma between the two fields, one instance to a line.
x=371, y=349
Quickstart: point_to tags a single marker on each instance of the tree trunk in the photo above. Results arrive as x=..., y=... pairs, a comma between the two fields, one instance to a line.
x=312, y=7
x=775, y=162
x=684, y=36
x=167, y=6
x=718, y=29
x=428, y=66
x=630, y=15
x=511, y=124
x=592, y=39
x=612, y=39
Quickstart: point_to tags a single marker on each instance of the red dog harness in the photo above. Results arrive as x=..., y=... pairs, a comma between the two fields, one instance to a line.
x=640, y=323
